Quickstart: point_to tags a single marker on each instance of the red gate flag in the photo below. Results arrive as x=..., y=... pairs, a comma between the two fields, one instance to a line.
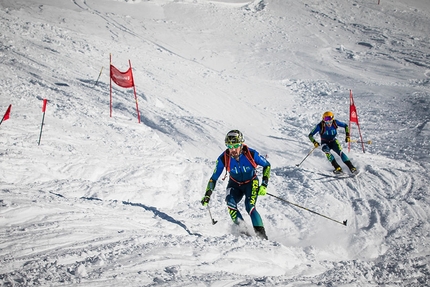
x=6, y=115
x=125, y=80
x=122, y=79
x=43, y=118
x=44, y=105
x=353, y=118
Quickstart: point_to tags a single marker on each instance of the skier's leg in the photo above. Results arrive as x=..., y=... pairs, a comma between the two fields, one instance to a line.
x=326, y=148
x=338, y=149
x=251, y=195
x=234, y=195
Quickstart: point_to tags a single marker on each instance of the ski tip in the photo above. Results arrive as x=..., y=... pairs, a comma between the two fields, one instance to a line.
x=357, y=172
x=345, y=222
x=337, y=172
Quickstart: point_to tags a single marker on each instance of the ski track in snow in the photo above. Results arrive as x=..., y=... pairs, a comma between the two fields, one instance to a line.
x=106, y=202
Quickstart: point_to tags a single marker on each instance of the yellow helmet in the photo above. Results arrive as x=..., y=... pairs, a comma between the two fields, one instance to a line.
x=328, y=116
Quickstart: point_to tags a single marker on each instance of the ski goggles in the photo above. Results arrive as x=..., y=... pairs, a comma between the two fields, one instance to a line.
x=328, y=119
x=231, y=146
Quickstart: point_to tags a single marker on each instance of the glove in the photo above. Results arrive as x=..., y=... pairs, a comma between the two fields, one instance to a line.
x=347, y=139
x=207, y=197
x=316, y=144
x=262, y=190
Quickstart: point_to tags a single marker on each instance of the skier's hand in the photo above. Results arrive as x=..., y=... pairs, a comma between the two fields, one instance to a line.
x=262, y=190
x=205, y=200
x=316, y=144
x=347, y=139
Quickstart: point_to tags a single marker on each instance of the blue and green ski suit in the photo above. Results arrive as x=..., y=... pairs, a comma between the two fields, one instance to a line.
x=243, y=181
x=328, y=139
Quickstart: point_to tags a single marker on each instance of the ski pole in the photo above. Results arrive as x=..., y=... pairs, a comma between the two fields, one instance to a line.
x=284, y=200
x=357, y=141
x=306, y=156
x=210, y=214
x=98, y=77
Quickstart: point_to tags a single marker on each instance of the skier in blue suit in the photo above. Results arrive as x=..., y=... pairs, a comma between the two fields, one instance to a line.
x=241, y=162
x=327, y=129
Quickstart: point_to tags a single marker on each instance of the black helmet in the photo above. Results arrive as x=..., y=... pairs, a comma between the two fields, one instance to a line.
x=234, y=137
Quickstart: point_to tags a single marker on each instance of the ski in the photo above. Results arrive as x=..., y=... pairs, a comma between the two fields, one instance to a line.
x=332, y=174
x=346, y=175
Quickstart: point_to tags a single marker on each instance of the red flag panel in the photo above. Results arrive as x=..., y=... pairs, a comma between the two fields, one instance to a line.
x=353, y=114
x=44, y=105
x=6, y=115
x=122, y=79
x=353, y=117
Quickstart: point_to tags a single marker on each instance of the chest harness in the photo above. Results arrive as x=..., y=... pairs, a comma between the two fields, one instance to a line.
x=226, y=161
x=323, y=127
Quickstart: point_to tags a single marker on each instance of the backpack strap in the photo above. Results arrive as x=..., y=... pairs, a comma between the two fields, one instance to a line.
x=249, y=155
x=226, y=161
x=322, y=126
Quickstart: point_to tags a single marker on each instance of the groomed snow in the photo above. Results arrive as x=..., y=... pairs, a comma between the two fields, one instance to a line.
x=106, y=201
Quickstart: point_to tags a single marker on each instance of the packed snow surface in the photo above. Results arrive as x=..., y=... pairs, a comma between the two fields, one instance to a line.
x=107, y=201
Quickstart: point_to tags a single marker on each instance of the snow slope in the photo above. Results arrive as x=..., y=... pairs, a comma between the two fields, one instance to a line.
x=106, y=201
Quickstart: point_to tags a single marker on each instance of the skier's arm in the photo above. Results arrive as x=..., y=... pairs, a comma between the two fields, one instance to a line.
x=315, y=130
x=262, y=161
x=347, y=138
x=266, y=175
x=219, y=167
x=345, y=126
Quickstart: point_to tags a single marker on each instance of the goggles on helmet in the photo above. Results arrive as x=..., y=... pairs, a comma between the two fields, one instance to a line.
x=230, y=146
x=328, y=118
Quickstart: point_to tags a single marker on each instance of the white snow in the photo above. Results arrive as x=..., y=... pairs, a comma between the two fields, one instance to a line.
x=106, y=201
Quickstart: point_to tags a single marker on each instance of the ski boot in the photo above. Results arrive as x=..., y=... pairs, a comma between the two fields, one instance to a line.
x=260, y=232
x=337, y=168
x=351, y=167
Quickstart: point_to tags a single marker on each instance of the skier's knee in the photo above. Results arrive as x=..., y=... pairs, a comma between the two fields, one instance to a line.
x=325, y=148
x=250, y=209
x=230, y=202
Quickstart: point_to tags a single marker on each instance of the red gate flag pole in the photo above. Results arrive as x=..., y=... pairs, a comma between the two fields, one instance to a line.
x=353, y=118
x=110, y=85
x=135, y=97
x=124, y=80
x=7, y=114
x=43, y=118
